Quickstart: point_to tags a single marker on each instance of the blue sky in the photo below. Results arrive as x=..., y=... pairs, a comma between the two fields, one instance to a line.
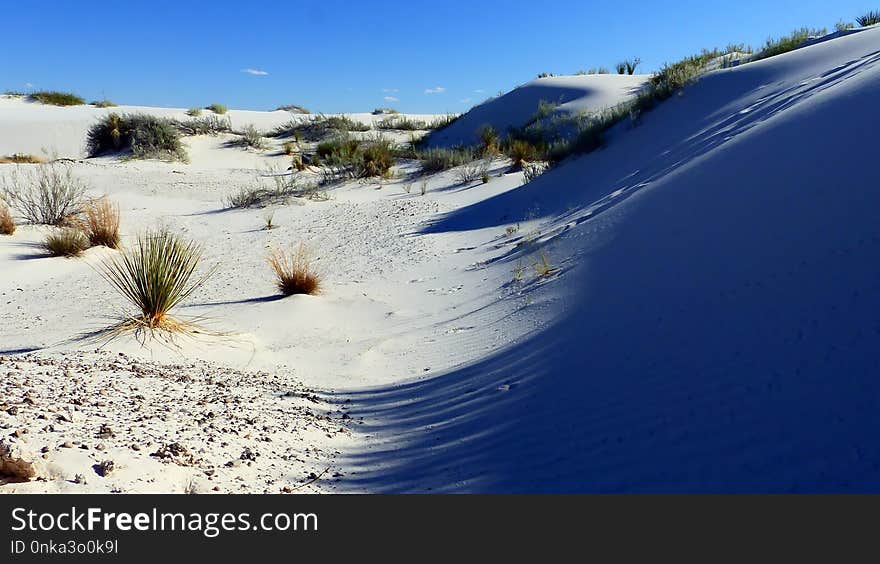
x=337, y=56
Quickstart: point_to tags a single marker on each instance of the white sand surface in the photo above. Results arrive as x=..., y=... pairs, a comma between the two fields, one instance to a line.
x=710, y=325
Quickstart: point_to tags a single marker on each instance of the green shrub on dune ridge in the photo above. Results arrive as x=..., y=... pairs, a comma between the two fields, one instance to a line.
x=54, y=98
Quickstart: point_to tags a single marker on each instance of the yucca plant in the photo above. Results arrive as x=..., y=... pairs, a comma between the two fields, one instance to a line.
x=294, y=271
x=66, y=242
x=871, y=18
x=7, y=224
x=155, y=275
x=102, y=223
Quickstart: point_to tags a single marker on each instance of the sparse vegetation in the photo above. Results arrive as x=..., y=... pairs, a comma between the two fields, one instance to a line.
x=22, y=158
x=145, y=136
x=532, y=171
x=789, y=42
x=443, y=122
x=269, y=221
x=384, y=111
x=155, y=275
x=194, y=112
x=293, y=108
x=294, y=271
x=318, y=127
x=628, y=66
x=217, y=108
x=284, y=187
x=249, y=136
x=401, y=123
x=102, y=223
x=7, y=223
x=871, y=18
x=843, y=26
x=104, y=104
x=470, y=172
x=437, y=159
x=55, y=98
x=208, y=125
x=347, y=157
x=488, y=139
x=47, y=194
x=66, y=242
x=544, y=268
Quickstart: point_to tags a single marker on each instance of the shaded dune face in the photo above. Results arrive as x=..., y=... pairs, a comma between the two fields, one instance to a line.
x=720, y=332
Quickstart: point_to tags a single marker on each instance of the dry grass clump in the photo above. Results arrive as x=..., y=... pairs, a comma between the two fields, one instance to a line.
x=7, y=223
x=871, y=18
x=251, y=137
x=22, y=158
x=46, y=194
x=104, y=104
x=293, y=108
x=155, y=275
x=66, y=242
x=102, y=223
x=294, y=271
x=217, y=108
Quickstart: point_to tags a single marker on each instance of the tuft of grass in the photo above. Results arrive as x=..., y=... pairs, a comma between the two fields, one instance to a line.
x=22, y=158
x=55, y=98
x=318, y=127
x=843, y=26
x=294, y=272
x=7, y=223
x=401, y=123
x=194, y=112
x=438, y=159
x=47, y=194
x=102, y=223
x=384, y=111
x=788, y=43
x=489, y=139
x=66, y=242
x=155, y=275
x=470, y=172
x=443, y=122
x=251, y=137
x=269, y=221
x=293, y=108
x=871, y=18
x=104, y=104
x=628, y=66
x=544, y=268
x=217, y=108
x=521, y=151
x=207, y=125
x=144, y=135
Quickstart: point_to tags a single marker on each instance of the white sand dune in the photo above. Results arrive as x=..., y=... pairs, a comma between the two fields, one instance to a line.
x=711, y=326
x=573, y=94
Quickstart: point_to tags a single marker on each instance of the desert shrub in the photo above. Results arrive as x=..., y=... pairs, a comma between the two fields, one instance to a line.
x=208, y=125
x=532, y=171
x=438, y=159
x=144, y=135
x=470, y=172
x=283, y=187
x=628, y=66
x=22, y=158
x=318, y=127
x=194, y=112
x=347, y=157
x=293, y=108
x=488, y=139
x=47, y=194
x=603, y=70
x=66, y=242
x=546, y=75
x=155, y=275
x=844, y=26
x=251, y=137
x=57, y=98
x=7, y=223
x=288, y=148
x=788, y=43
x=384, y=111
x=871, y=18
x=102, y=223
x=443, y=122
x=104, y=104
x=217, y=108
x=378, y=158
x=521, y=151
x=294, y=272
x=401, y=123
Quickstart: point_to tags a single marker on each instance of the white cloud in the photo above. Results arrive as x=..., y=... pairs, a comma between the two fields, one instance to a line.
x=435, y=90
x=255, y=72
x=391, y=99
x=465, y=100
x=391, y=90
x=28, y=85
x=479, y=91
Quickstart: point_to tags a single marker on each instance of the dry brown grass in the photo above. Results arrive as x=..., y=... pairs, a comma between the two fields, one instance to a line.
x=102, y=223
x=21, y=158
x=7, y=224
x=294, y=271
x=66, y=242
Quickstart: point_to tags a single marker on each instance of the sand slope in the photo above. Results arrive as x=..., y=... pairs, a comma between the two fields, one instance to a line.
x=720, y=332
